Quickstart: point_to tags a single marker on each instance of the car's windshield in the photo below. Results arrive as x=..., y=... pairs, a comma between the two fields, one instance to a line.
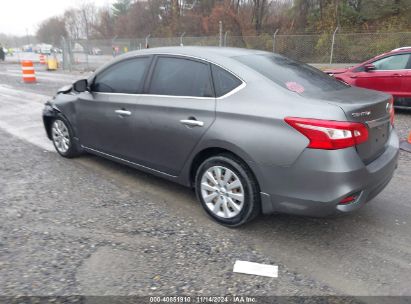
x=292, y=75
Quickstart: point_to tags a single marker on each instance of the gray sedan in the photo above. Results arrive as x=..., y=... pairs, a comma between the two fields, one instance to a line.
x=250, y=131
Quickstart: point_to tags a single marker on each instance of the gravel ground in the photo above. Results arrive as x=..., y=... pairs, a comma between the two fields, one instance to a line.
x=65, y=230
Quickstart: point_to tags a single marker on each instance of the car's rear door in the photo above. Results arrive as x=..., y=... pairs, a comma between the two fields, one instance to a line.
x=106, y=115
x=176, y=110
x=389, y=75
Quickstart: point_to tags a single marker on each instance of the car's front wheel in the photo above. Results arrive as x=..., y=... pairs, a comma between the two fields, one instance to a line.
x=227, y=189
x=62, y=137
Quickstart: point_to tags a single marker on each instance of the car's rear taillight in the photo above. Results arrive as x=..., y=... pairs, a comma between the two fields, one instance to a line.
x=329, y=134
x=391, y=110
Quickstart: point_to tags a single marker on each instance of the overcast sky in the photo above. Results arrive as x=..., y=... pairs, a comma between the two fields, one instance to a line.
x=18, y=15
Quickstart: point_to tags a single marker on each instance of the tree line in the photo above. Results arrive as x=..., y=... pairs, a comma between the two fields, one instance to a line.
x=169, y=18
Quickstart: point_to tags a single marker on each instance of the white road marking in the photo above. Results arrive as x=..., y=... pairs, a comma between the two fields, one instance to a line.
x=256, y=269
x=21, y=116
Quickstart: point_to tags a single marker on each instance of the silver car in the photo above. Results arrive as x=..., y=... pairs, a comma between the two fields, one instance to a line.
x=250, y=131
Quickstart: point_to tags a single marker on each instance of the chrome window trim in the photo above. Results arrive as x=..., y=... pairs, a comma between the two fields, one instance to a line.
x=240, y=87
x=127, y=161
x=235, y=90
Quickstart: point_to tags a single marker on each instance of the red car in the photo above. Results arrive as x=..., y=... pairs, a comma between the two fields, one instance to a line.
x=389, y=72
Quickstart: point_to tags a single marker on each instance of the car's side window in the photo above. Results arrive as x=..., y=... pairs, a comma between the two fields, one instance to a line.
x=123, y=77
x=224, y=81
x=181, y=77
x=395, y=62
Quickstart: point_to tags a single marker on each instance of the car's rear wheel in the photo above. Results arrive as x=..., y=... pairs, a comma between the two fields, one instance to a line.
x=227, y=190
x=62, y=137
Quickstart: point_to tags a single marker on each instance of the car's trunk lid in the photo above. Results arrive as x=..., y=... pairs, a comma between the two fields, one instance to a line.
x=369, y=107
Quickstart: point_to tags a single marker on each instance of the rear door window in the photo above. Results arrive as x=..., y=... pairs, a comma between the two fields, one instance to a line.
x=124, y=77
x=181, y=77
x=224, y=81
x=292, y=75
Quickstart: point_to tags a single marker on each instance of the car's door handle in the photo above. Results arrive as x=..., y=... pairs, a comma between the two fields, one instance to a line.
x=397, y=75
x=192, y=122
x=123, y=112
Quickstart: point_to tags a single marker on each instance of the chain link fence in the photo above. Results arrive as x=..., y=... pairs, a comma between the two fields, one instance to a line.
x=345, y=48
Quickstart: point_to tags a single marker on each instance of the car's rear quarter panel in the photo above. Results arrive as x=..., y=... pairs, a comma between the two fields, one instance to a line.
x=251, y=123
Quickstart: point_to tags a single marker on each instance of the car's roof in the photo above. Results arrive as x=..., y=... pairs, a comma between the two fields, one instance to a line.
x=395, y=51
x=404, y=48
x=218, y=55
x=198, y=51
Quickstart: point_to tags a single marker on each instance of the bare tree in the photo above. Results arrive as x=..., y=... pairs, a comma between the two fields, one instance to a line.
x=72, y=19
x=88, y=17
x=259, y=13
x=51, y=31
x=81, y=22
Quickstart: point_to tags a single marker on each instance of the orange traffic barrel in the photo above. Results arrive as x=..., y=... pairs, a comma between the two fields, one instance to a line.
x=42, y=59
x=406, y=144
x=28, y=71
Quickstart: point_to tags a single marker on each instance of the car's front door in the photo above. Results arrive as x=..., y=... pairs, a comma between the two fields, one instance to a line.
x=388, y=76
x=176, y=110
x=106, y=115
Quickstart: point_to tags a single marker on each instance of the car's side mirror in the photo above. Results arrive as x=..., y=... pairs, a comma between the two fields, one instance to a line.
x=369, y=67
x=80, y=85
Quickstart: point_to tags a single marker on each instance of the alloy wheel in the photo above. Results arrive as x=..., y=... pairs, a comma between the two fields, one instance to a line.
x=61, y=136
x=222, y=192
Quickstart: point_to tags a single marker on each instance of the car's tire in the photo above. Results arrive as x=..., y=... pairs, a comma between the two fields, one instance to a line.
x=62, y=136
x=232, y=198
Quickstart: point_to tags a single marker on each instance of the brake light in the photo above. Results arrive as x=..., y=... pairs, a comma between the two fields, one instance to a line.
x=329, y=134
x=391, y=110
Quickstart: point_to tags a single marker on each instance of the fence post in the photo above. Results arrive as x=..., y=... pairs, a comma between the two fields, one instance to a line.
x=113, y=40
x=225, y=38
x=87, y=53
x=148, y=36
x=332, y=45
x=70, y=53
x=274, y=36
x=220, y=43
x=181, y=39
x=64, y=52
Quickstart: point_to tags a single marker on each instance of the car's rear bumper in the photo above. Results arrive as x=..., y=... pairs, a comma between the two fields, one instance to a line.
x=320, y=179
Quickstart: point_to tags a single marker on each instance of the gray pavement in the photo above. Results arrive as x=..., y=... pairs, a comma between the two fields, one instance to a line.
x=90, y=226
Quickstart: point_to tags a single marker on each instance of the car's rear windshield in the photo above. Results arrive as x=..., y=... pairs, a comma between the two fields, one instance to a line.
x=292, y=75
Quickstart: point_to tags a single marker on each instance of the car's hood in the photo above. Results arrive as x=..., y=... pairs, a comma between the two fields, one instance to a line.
x=336, y=71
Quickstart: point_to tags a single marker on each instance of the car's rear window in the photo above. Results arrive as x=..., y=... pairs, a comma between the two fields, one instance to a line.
x=292, y=75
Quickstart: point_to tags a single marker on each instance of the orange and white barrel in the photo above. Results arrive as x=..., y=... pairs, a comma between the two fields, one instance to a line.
x=27, y=68
x=42, y=59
